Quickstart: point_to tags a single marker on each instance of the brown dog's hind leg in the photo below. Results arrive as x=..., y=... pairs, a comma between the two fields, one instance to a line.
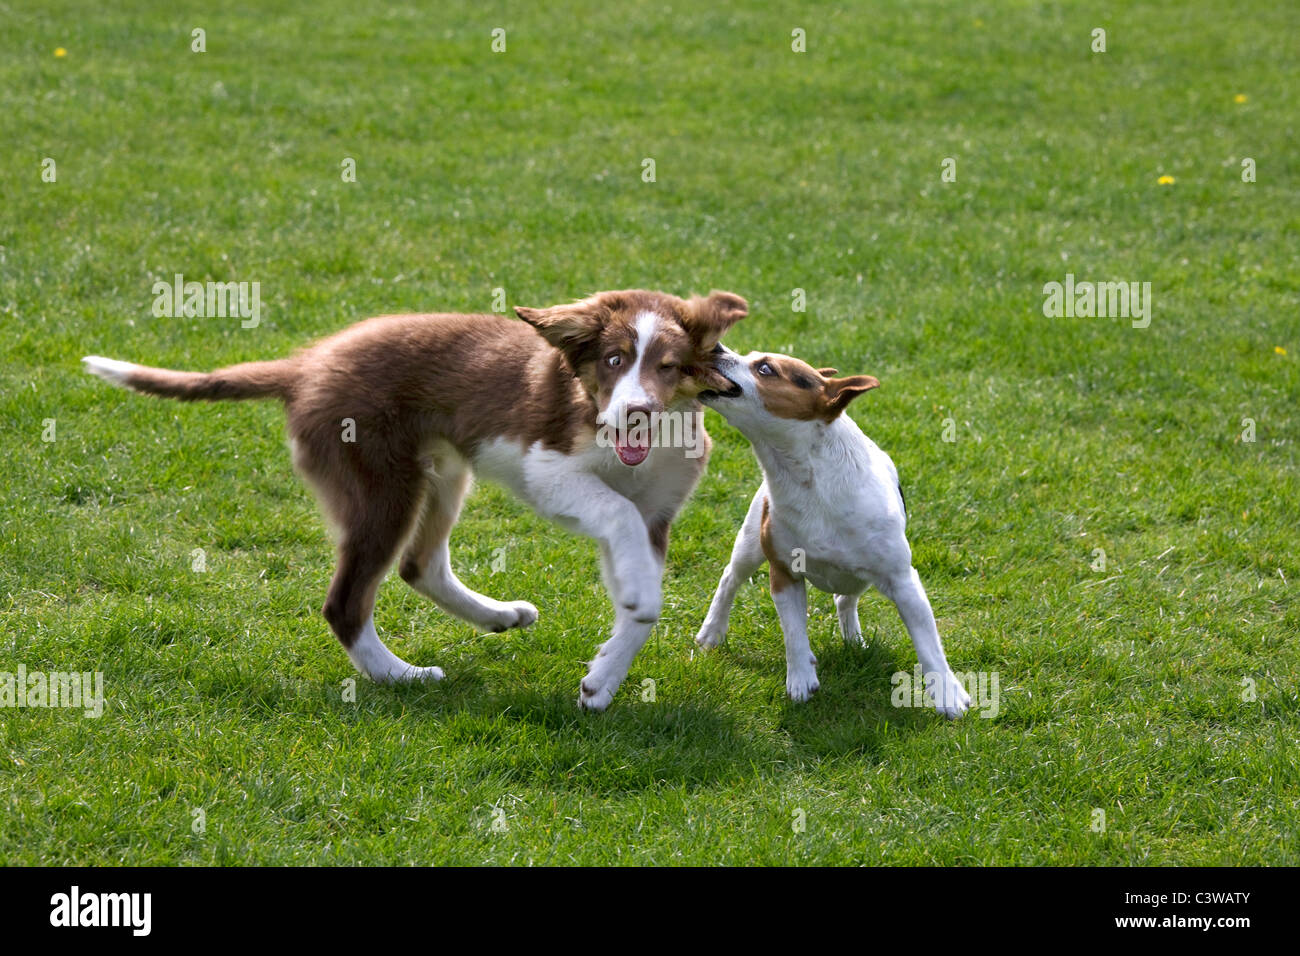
x=373, y=509
x=426, y=562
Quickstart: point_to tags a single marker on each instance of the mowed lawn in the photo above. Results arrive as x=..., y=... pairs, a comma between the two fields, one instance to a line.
x=1148, y=695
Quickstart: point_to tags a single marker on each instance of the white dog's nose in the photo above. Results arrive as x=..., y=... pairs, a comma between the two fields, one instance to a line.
x=724, y=358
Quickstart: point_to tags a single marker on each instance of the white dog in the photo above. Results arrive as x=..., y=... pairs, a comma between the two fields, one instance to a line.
x=829, y=510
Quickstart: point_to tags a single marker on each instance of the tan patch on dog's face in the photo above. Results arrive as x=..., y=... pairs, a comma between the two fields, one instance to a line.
x=790, y=388
x=607, y=359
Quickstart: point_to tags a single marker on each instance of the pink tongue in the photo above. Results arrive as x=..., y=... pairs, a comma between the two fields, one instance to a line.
x=630, y=453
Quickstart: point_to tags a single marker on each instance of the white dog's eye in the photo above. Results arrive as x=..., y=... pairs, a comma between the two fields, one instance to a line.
x=765, y=369
x=614, y=361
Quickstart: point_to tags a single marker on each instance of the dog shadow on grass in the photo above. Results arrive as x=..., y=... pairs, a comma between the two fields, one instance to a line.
x=528, y=729
x=543, y=739
x=525, y=732
x=707, y=736
x=852, y=713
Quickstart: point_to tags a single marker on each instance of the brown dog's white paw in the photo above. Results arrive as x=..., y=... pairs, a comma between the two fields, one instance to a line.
x=518, y=614
x=594, y=696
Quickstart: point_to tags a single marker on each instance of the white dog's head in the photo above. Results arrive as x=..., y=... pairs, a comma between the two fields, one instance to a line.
x=772, y=393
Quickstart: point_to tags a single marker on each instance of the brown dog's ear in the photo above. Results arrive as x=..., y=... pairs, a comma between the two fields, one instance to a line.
x=708, y=317
x=567, y=327
x=839, y=392
x=828, y=372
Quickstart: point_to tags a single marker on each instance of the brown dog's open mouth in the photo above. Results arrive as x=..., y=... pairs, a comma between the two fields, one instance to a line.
x=632, y=437
x=632, y=447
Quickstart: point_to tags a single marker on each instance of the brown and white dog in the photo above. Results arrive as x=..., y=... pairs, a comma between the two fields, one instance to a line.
x=389, y=419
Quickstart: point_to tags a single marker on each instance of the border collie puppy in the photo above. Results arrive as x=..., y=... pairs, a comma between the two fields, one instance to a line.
x=389, y=419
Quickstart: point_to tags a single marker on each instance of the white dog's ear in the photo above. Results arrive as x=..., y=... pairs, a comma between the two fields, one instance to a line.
x=838, y=392
x=707, y=317
x=568, y=327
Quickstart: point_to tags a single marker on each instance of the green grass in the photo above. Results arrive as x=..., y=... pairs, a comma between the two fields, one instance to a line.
x=1121, y=690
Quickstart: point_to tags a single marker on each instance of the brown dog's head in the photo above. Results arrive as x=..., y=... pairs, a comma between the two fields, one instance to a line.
x=639, y=353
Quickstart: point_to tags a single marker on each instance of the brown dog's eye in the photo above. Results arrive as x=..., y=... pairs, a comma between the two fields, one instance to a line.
x=614, y=361
x=765, y=369
x=669, y=367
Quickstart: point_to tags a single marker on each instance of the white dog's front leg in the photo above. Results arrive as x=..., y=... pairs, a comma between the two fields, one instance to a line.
x=800, y=666
x=746, y=556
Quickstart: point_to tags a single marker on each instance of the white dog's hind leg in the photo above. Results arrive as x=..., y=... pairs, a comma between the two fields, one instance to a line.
x=746, y=557
x=907, y=593
x=846, y=606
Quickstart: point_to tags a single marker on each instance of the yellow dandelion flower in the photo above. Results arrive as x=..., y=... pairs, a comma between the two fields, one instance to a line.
x=1166, y=180
x=1279, y=350
x=59, y=51
x=1240, y=98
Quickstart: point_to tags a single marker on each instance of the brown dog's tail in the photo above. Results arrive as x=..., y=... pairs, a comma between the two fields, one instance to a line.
x=251, y=380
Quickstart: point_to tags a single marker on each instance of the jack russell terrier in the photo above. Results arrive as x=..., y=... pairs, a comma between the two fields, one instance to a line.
x=829, y=510
x=389, y=419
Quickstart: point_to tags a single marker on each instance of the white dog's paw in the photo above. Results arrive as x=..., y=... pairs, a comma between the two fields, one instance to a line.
x=853, y=638
x=801, y=684
x=711, y=635
x=949, y=696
